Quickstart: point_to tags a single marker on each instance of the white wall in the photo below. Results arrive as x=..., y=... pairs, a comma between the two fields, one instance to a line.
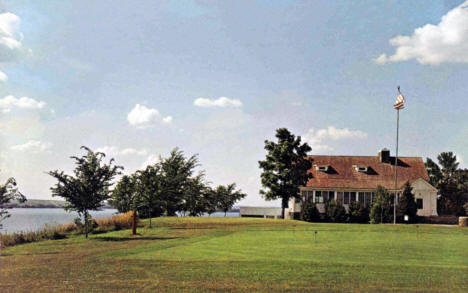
x=422, y=189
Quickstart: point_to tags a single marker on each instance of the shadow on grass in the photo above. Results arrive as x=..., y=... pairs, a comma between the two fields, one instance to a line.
x=36, y=253
x=195, y=228
x=133, y=238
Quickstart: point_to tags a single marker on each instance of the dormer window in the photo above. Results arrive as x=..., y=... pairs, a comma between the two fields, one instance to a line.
x=362, y=169
x=323, y=168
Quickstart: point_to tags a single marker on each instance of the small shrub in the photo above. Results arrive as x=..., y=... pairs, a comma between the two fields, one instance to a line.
x=358, y=213
x=382, y=207
x=310, y=212
x=335, y=211
x=117, y=222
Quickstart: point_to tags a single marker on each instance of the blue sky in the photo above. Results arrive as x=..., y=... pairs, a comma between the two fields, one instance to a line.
x=127, y=78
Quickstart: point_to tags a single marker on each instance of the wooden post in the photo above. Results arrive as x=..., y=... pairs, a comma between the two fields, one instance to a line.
x=134, y=223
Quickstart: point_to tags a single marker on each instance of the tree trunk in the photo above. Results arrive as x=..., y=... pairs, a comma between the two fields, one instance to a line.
x=134, y=223
x=86, y=223
x=284, y=204
x=149, y=215
x=225, y=213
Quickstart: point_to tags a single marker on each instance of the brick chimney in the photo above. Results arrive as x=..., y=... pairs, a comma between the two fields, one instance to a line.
x=384, y=156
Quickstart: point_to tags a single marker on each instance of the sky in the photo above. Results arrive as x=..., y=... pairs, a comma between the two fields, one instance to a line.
x=136, y=79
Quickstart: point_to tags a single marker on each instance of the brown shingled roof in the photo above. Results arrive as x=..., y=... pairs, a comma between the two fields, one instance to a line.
x=342, y=173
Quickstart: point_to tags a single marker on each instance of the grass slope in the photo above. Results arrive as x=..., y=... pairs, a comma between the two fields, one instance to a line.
x=215, y=254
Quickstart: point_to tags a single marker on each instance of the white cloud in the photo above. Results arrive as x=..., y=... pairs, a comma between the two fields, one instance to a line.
x=434, y=44
x=143, y=117
x=3, y=77
x=115, y=151
x=220, y=102
x=150, y=160
x=10, y=102
x=10, y=37
x=167, y=120
x=32, y=146
x=317, y=138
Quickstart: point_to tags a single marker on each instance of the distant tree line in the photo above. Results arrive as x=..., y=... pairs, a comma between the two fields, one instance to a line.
x=168, y=188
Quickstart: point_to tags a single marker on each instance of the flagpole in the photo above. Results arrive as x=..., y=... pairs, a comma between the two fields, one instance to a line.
x=396, y=169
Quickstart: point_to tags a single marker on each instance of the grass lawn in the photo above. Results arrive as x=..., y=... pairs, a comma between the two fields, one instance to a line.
x=242, y=254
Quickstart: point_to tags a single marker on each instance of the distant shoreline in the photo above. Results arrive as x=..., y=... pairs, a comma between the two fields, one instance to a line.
x=50, y=207
x=60, y=204
x=43, y=204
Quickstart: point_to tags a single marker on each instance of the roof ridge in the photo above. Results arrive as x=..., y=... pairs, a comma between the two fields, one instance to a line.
x=360, y=156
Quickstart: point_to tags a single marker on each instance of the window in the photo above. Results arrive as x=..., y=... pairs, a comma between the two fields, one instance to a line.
x=352, y=197
x=361, y=197
x=318, y=197
x=339, y=196
x=322, y=168
x=419, y=203
x=346, y=198
x=303, y=196
x=362, y=169
x=325, y=196
x=331, y=195
x=368, y=198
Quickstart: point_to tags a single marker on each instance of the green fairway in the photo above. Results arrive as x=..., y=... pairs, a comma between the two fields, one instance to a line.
x=212, y=254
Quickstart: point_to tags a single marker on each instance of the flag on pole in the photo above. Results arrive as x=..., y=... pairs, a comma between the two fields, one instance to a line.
x=400, y=101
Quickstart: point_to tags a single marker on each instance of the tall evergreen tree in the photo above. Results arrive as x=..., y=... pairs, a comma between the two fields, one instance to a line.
x=89, y=187
x=285, y=167
x=450, y=182
x=407, y=205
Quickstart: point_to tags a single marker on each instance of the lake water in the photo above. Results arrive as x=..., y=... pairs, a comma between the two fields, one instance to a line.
x=35, y=219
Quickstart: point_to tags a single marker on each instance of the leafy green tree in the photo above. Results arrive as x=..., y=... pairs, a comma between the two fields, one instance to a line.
x=176, y=171
x=149, y=191
x=382, y=207
x=227, y=196
x=335, y=211
x=309, y=212
x=8, y=192
x=285, y=167
x=198, y=197
x=123, y=195
x=89, y=187
x=407, y=205
x=358, y=213
x=126, y=198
